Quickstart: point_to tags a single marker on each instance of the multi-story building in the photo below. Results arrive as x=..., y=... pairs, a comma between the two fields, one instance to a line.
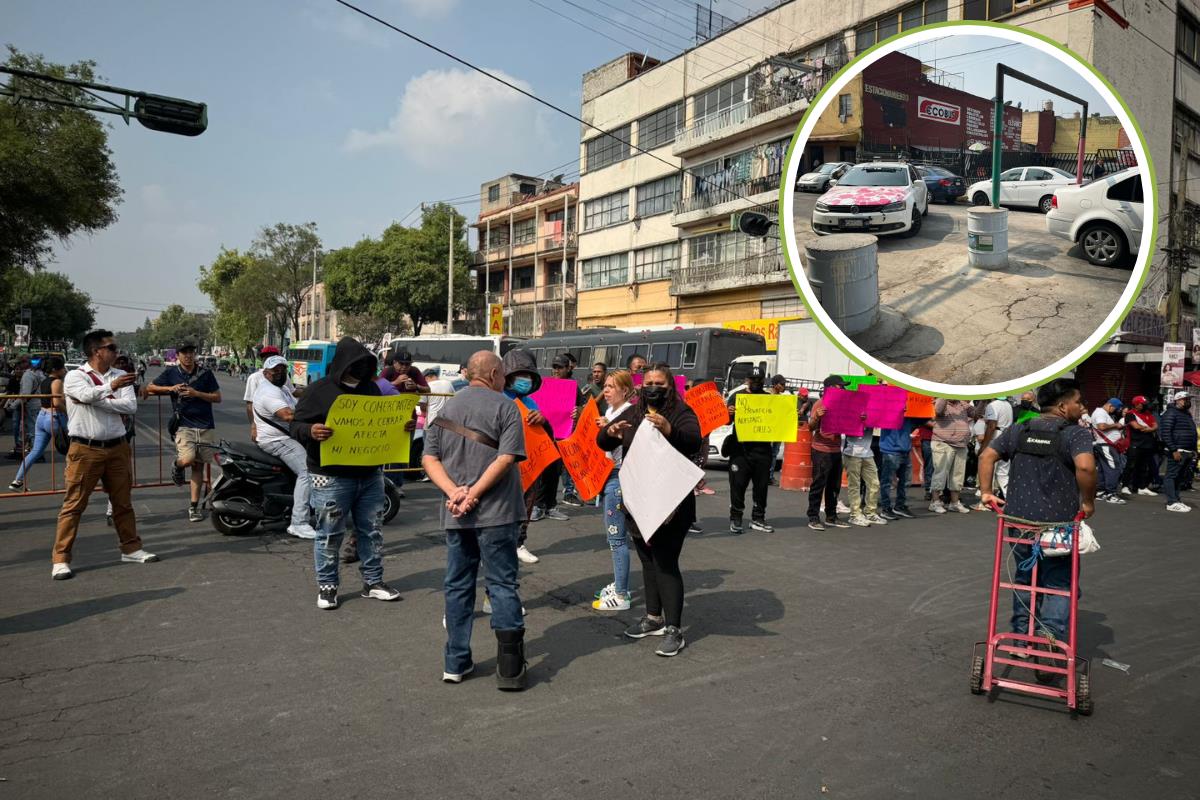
x=526, y=255
x=318, y=320
x=655, y=246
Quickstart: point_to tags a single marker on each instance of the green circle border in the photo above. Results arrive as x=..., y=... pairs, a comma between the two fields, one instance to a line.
x=850, y=67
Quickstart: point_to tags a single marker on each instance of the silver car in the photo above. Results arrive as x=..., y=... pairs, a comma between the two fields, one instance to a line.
x=818, y=181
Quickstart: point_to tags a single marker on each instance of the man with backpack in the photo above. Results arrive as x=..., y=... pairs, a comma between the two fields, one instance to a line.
x=1109, y=444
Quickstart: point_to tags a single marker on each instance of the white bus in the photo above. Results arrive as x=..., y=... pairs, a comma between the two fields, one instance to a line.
x=447, y=352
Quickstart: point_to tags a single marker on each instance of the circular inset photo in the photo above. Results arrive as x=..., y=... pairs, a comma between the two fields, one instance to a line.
x=972, y=210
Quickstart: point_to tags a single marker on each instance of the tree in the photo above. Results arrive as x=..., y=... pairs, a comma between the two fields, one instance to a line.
x=234, y=283
x=57, y=177
x=58, y=310
x=365, y=327
x=176, y=325
x=403, y=274
x=286, y=253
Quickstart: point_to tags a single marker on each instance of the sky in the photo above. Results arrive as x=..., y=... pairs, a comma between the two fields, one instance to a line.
x=318, y=114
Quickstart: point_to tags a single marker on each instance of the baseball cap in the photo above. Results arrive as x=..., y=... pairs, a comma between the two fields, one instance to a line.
x=404, y=357
x=1179, y=396
x=1141, y=398
x=1115, y=402
x=185, y=347
x=561, y=361
x=803, y=392
x=274, y=361
x=834, y=380
x=756, y=374
x=268, y=350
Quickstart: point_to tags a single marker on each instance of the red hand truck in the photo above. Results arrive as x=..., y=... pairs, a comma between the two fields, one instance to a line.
x=1048, y=658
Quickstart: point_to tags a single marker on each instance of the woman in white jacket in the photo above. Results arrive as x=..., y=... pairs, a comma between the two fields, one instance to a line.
x=618, y=389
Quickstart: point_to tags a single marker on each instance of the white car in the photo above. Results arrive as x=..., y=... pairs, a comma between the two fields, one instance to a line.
x=1104, y=216
x=879, y=197
x=1032, y=187
x=818, y=180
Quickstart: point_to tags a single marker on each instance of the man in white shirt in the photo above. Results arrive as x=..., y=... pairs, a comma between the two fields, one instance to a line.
x=1106, y=432
x=274, y=406
x=97, y=396
x=997, y=418
x=256, y=379
x=434, y=404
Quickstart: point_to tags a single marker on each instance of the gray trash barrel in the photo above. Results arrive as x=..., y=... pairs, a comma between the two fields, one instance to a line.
x=844, y=271
x=987, y=237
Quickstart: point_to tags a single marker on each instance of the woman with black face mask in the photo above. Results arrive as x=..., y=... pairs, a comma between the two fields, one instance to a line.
x=662, y=407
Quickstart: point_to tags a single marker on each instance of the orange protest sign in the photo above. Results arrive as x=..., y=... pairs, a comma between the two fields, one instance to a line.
x=540, y=451
x=709, y=406
x=582, y=457
x=918, y=405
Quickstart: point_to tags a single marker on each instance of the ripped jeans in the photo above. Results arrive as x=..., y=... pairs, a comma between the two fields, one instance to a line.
x=614, y=527
x=332, y=499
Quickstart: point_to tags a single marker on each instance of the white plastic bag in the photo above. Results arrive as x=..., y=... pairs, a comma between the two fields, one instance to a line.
x=1057, y=541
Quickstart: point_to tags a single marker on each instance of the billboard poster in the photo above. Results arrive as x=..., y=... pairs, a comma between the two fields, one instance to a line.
x=1172, y=364
x=1196, y=347
x=939, y=111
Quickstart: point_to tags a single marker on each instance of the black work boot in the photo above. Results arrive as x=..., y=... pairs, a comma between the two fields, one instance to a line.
x=510, y=660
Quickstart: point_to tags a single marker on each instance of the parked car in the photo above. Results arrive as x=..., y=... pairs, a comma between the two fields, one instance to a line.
x=1032, y=187
x=878, y=197
x=155, y=361
x=818, y=180
x=1104, y=216
x=943, y=185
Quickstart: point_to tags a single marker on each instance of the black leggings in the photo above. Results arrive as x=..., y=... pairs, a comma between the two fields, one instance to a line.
x=1141, y=467
x=660, y=570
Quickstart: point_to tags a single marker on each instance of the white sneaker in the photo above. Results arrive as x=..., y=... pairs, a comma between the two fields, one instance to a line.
x=304, y=531
x=842, y=508
x=61, y=572
x=525, y=556
x=612, y=602
x=959, y=507
x=859, y=520
x=1176, y=506
x=937, y=507
x=1114, y=499
x=457, y=677
x=138, y=557
x=1126, y=490
x=1147, y=492
x=875, y=519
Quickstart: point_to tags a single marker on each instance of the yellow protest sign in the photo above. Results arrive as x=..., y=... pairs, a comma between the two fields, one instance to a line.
x=368, y=431
x=765, y=417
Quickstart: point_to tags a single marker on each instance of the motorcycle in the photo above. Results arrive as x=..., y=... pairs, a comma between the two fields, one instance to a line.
x=256, y=487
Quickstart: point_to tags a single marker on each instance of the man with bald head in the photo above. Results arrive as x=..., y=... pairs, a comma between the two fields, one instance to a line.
x=471, y=454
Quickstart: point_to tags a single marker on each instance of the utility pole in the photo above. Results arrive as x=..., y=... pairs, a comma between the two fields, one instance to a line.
x=312, y=301
x=1178, y=256
x=450, y=274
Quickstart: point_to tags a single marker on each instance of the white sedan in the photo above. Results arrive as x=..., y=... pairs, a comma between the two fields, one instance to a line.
x=1104, y=216
x=1032, y=187
x=877, y=197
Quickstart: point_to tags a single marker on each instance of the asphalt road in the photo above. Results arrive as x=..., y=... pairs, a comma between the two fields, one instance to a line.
x=831, y=664
x=946, y=321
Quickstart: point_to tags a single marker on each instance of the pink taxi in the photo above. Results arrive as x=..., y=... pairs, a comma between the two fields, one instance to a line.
x=881, y=197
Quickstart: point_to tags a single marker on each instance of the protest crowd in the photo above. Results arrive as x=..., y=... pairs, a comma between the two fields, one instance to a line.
x=629, y=443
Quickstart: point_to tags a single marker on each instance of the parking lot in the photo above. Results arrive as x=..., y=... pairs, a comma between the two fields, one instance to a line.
x=949, y=322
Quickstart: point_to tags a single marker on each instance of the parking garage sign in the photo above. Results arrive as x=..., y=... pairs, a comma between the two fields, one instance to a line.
x=938, y=111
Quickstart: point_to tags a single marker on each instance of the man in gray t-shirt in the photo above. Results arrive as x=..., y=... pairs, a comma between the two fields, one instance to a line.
x=471, y=454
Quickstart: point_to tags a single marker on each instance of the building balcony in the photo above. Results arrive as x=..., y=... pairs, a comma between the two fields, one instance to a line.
x=558, y=241
x=766, y=108
x=529, y=319
x=753, y=270
x=719, y=201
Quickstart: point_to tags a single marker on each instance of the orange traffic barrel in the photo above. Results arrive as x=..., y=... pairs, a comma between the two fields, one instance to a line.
x=796, y=475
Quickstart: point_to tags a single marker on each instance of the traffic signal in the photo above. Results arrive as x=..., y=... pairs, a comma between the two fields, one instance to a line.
x=751, y=223
x=171, y=115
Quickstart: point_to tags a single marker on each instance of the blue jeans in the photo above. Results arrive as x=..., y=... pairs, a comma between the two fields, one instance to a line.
x=43, y=436
x=1053, y=611
x=568, y=484
x=927, y=465
x=895, y=465
x=361, y=498
x=1111, y=464
x=1177, y=472
x=497, y=547
x=614, y=526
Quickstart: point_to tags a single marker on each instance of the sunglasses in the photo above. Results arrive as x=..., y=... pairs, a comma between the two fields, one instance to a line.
x=110, y=347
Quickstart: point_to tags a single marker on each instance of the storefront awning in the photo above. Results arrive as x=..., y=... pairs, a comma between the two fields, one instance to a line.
x=850, y=137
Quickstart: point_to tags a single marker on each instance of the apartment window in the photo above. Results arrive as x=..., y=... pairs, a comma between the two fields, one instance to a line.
x=497, y=236
x=610, y=270
x=654, y=263
x=782, y=307
x=524, y=231
x=987, y=9
x=607, y=148
x=494, y=193
x=912, y=16
x=527, y=188
x=714, y=249
x=658, y=197
x=522, y=278
x=608, y=210
x=1189, y=36
x=845, y=105
x=657, y=129
x=556, y=216
x=720, y=98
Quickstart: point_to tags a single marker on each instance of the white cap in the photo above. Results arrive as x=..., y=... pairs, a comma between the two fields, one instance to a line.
x=1179, y=396
x=274, y=361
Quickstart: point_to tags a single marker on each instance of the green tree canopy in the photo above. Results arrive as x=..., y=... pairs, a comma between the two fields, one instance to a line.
x=234, y=282
x=58, y=310
x=176, y=325
x=285, y=253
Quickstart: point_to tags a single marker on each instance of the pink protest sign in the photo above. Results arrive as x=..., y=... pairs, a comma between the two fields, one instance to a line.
x=680, y=383
x=843, y=411
x=885, y=406
x=556, y=400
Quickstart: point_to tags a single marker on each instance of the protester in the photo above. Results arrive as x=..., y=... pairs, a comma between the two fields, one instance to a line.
x=563, y=367
x=274, y=409
x=895, y=447
x=804, y=405
x=471, y=455
x=339, y=491
x=663, y=407
x=96, y=397
x=399, y=370
x=778, y=386
x=193, y=390
x=862, y=477
x=522, y=379
x=51, y=416
x=547, y=505
x=1108, y=442
x=618, y=389
x=440, y=391
x=826, y=466
x=595, y=387
x=636, y=364
x=749, y=462
x=1178, y=433
x=256, y=379
x=1052, y=478
x=951, y=437
x=997, y=418
x=1027, y=404
x=1143, y=433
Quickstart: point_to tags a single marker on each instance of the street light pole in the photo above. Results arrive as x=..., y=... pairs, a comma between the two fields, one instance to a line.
x=450, y=275
x=312, y=301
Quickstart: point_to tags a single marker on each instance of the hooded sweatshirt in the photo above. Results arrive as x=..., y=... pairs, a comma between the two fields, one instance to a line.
x=318, y=399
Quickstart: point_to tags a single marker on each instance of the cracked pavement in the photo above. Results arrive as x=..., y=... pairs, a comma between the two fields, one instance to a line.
x=835, y=660
x=970, y=326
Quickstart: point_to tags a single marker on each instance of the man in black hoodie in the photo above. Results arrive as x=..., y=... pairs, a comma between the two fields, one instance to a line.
x=338, y=491
x=749, y=462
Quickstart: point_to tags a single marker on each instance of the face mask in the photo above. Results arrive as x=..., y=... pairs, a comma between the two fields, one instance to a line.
x=1025, y=405
x=522, y=386
x=1187, y=404
x=361, y=370
x=654, y=395
x=279, y=380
